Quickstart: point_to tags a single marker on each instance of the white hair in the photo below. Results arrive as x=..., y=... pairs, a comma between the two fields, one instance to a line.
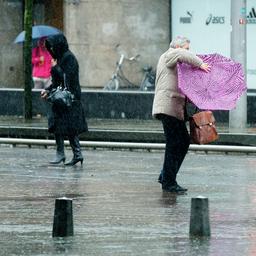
x=179, y=41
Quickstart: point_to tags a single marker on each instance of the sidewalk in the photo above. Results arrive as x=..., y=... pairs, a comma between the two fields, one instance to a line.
x=129, y=130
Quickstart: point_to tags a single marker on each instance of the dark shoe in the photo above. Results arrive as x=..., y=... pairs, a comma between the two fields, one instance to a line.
x=75, y=161
x=160, y=178
x=77, y=154
x=58, y=160
x=180, y=189
x=175, y=188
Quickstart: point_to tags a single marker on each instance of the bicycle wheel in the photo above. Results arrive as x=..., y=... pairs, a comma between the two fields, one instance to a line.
x=148, y=82
x=142, y=84
x=111, y=85
x=125, y=83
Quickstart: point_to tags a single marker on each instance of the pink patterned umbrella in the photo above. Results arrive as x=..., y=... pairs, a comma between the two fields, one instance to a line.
x=217, y=90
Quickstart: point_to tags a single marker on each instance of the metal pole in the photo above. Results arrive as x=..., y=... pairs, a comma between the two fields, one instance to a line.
x=199, y=217
x=170, y=20
x=63, y=218
x=129, y=145
x=28, y=20
x=238, y=116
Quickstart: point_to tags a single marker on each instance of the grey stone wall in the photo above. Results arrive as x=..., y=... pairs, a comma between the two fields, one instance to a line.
x=103, y=104
x=95, y=28
x=10, y=53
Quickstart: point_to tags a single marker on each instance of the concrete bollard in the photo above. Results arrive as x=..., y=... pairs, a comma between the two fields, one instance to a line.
x=63, y=218
x=199, y=217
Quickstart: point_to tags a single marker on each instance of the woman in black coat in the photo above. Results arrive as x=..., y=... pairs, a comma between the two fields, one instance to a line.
x=65, y=121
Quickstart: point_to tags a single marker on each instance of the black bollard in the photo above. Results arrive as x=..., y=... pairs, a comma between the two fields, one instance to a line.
x=199, y=217
x=63, y=218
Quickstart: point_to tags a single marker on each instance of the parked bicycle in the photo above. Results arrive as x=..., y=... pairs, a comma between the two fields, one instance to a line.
x=119, y=80
x=148, y=81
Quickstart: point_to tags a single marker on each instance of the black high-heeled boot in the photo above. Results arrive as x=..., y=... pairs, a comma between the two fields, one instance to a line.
x=75, y=145
x=75, y=161
x=58, y=159
x=60, y=156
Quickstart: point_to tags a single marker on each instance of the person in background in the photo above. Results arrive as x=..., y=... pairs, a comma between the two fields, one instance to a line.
x=169, y=107
x=41, y=61
x=68, y=121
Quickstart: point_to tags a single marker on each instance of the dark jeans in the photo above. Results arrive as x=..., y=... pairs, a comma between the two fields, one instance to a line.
x=177, y=144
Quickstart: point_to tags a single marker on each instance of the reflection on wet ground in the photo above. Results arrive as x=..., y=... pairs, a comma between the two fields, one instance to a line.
x=119, y=208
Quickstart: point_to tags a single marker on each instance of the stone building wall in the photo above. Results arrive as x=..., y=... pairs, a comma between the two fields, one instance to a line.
x=95, y=28
x=10, y=54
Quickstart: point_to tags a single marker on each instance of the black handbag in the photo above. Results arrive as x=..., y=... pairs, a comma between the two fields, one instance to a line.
x=61, y=96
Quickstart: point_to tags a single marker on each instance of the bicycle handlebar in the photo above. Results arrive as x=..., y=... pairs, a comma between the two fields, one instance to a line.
x=122, y=57
x=134, y=57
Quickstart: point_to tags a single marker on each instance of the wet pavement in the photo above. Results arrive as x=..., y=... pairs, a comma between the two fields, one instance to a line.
x=118, y=206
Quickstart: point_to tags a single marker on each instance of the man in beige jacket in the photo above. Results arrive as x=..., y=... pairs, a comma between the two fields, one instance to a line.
x=169, y=107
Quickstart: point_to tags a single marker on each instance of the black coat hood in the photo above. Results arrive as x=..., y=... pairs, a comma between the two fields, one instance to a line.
x=57, y=45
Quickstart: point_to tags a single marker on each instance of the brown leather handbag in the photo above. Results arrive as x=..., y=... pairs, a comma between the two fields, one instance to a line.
x=202, y=128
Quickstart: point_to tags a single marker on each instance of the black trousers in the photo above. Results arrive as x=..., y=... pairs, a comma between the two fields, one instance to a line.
x=177, y=144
